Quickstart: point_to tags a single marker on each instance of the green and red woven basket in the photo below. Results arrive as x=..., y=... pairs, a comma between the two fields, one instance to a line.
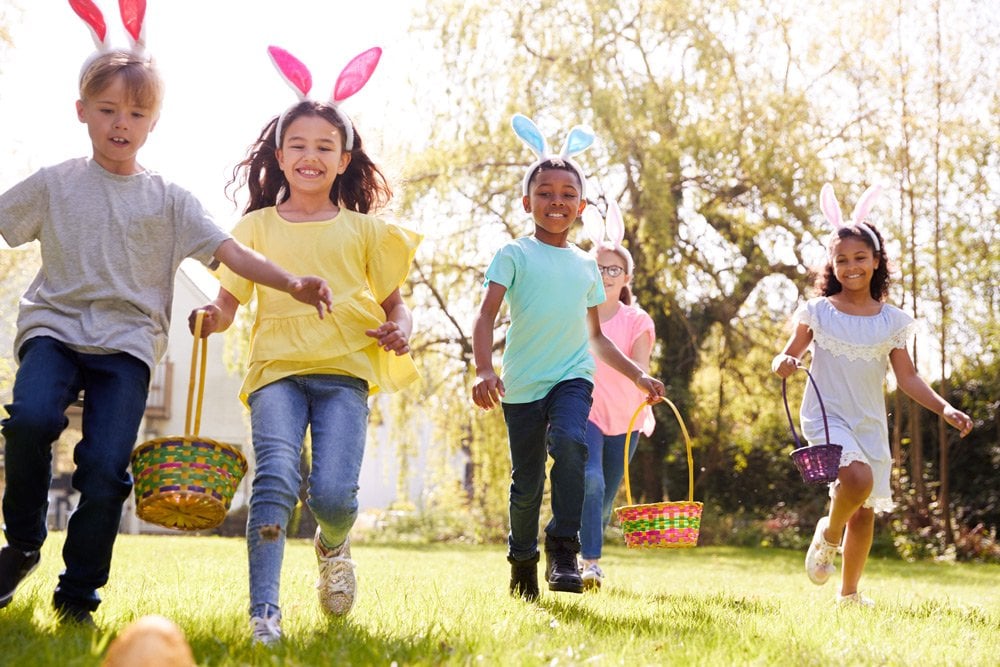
x=187, y=482
x=664, y=525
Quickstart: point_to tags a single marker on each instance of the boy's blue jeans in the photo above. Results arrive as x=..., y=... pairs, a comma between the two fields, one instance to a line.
x=604, y=473
x=49, y=378
x=335, y=408
x=553, y=425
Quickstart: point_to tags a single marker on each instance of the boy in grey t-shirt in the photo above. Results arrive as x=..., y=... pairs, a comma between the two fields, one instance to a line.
x=95, y=319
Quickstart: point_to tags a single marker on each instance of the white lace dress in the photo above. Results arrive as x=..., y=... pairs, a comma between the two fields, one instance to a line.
x=850, y=357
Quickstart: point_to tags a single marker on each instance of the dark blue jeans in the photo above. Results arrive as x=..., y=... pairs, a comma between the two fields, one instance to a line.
x=554, y=425
x=604, y=473
x=49, y=379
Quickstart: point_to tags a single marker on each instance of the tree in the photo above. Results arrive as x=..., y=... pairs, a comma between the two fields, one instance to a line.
x=717, y=123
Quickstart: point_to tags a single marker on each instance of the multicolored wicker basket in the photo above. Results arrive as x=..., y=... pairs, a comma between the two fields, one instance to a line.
x=818, y=464
x=665, y=525
x=187, y=482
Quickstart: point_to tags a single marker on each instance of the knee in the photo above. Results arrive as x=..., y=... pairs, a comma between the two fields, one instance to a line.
x=567, y=445
x=29, y=422
x=855, y=481
x=593, y=483
x=332, y=502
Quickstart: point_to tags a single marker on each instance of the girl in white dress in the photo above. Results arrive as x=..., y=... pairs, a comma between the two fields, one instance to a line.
x=854, y=336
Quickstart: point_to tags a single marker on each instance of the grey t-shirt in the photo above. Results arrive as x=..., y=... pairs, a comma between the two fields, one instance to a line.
x=110, y=247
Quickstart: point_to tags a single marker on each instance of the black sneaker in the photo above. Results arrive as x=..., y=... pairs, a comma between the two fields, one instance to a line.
x=15, y=565
x=561, y=568
x=524, y=578
x=71, y=614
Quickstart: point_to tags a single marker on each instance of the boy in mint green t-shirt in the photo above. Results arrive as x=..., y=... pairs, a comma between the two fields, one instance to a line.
x=552, y=289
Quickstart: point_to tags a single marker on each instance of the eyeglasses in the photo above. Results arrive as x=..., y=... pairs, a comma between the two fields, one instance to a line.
x=611, y=271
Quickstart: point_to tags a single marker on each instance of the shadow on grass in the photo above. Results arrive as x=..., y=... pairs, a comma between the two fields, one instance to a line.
x=340, y=642
x=654, y=615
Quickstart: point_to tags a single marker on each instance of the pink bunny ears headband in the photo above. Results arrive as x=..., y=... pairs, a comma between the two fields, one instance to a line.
x=607, y=233
x=352, y=79
x=580, y=138
x=133, y=13
x=831, y=209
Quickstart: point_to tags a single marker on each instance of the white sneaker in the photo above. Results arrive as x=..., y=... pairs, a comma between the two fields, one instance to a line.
x=593, y=577
x=855, y=599
x=266, y=629
x=820, y=557
x=337, y=584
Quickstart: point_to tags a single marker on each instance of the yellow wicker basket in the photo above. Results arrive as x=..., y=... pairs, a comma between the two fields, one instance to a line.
x=665, y=525
x=187, y=482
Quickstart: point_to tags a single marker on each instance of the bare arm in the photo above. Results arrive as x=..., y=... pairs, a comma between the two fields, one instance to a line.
x=609, y=353
x=254, y=266
x=488, y=389
x=394, y=334
x=218, y=316
x=916, y=388
x=785, y=363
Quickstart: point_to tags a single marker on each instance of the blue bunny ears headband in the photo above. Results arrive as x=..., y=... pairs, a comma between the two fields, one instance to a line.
x=579, y=139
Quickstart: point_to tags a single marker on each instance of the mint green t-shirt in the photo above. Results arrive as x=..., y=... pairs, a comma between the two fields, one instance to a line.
x=549, y=290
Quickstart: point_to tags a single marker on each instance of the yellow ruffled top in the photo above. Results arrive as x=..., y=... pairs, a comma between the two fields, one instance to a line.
x=363, y=259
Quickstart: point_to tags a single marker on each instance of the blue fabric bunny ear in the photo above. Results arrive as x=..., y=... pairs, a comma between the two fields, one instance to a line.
x=528, y=132
x=580, y=139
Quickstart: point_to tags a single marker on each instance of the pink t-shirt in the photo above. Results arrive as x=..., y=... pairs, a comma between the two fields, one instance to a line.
x=615, y=396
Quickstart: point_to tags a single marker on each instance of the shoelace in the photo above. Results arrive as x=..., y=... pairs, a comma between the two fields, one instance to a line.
x=330, y=570
x=266, y=629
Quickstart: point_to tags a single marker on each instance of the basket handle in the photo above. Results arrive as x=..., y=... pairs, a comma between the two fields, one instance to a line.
x=791, y=423
x=687, y=443
x=202, y=344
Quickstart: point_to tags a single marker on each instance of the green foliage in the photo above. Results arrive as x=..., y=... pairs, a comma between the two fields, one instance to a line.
x=717, y=124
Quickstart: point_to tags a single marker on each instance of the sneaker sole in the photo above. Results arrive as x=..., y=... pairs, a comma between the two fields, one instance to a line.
x=592, y=585
x=564, y=587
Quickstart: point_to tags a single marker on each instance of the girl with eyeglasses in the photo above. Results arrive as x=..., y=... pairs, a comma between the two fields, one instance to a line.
x=615, y=397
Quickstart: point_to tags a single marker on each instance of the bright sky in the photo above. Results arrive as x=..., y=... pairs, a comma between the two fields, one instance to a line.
x=221, y=87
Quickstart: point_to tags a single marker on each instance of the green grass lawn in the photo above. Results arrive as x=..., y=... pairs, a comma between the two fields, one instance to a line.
x=441, y=604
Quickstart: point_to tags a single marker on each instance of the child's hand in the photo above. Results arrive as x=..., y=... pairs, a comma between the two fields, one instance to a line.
x=958, y=419
x=209, y=322
x=784, y=365
x=314, y=291
x=391, y=338
x=654, y=388
x=488, y=389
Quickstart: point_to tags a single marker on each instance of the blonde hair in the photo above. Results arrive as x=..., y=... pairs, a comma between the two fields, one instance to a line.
x=139, y=74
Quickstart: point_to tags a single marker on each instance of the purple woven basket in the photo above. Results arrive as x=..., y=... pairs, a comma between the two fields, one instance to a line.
x=818, y=464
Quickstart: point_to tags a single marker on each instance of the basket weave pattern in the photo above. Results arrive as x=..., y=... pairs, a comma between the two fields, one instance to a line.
x=664, y=525
x=187, y=482
x=818, y=464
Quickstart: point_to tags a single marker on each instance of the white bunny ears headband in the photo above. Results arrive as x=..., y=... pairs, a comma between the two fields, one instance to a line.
x=607, y=233
x=831, y=209
x=352, y=79
x=579, y=139
x=133, y=13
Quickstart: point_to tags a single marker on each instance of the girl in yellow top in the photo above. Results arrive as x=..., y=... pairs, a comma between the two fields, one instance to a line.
x=311, y=187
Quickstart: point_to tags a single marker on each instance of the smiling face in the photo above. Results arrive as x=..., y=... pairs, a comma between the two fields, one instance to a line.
x=118, y=126
x=614, y=272
x=853, y=263
x=311, y=155
x=554, y=202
